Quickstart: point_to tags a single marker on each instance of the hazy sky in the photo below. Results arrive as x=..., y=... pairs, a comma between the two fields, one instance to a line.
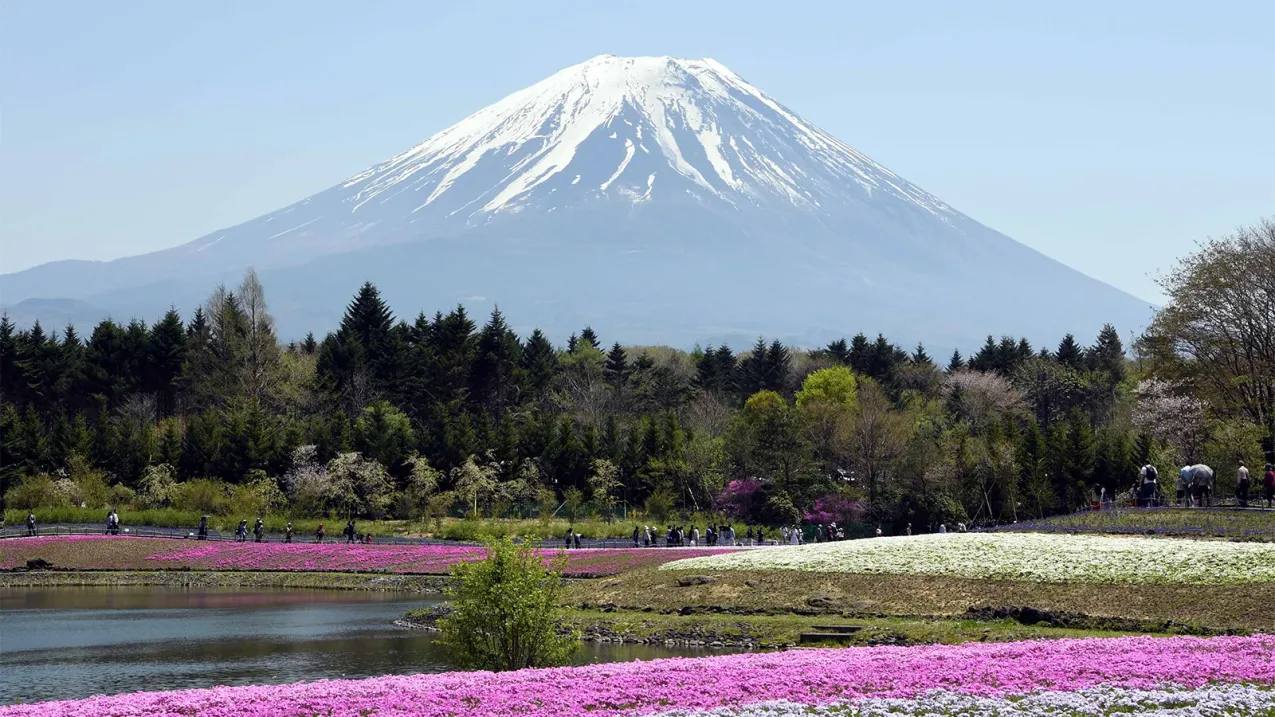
x=1108, y=135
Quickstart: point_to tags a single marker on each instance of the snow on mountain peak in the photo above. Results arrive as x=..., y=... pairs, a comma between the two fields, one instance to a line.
x=630, y=129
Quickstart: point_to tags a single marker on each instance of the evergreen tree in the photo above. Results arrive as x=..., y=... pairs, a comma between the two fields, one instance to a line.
x=1069, y=353
x=1107, y=355
x=956, y=363
x=616, y=368
x=838, y=351
x=859, y=355
x=589, y=337
x=494, y=376
x=920, y=357
x=165, y=354
x=539, y=363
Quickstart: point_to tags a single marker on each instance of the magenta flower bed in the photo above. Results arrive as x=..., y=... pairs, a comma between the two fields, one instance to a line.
x=812, y=677
x=105, y=552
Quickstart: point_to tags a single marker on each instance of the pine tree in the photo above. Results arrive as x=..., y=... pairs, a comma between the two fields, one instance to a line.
x=589, y=337
x=494, y=375
x=859, y=355
x=539, y=363
x=838, y=351
x=1107, y=355
x=1070, y=354
x=920, y=357
x=166, y=352
x=8, y=360
x=956, y=363
x=309, y=345
x=616, y=368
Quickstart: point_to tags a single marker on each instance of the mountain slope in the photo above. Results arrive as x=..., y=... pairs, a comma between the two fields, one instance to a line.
x=664, y=199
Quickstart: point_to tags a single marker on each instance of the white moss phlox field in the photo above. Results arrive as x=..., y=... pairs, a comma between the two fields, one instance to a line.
x=1017, y=556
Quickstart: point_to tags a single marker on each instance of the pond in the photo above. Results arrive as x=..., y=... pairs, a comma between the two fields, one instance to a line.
x=58, y=643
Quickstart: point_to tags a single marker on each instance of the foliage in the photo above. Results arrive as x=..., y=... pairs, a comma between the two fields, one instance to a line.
x=505, y=611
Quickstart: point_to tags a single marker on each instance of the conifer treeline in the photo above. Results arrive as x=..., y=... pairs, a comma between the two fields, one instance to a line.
x=1009, y=431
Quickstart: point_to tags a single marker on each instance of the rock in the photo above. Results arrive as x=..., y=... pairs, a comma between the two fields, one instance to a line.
x=689, y=580
x=822, y=602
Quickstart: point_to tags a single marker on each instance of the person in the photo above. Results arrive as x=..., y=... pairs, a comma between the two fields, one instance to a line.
x=241, y=532
x=30, y=523
x=960, y=528
x=942, y=527
x=1241, y=485
x=694, y=536
x=319, y=532
x=258, y=529
x=761, y=535
x=1147, y=488
x=635, y=536
x=1184, y=486
x=878, y=530
x=909, y=530
x=350, y=532
x=567, y=538
x=1268, y=484
x=577, y=540
x=1202, y=484
x=646, y=536
x=203, y=527
x=287, y=532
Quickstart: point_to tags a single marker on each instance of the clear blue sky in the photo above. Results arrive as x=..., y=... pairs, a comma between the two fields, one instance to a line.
x=1110, y=135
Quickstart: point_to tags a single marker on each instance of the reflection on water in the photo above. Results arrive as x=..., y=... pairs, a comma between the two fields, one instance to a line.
x=58, y=643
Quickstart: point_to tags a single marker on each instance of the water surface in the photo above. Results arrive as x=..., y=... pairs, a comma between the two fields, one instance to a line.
x=60, y=643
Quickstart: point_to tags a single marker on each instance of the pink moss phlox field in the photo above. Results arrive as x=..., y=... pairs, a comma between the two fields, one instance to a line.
x=811, y=677
x=334, y=556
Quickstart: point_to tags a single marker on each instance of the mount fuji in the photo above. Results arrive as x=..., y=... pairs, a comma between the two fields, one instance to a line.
x=659, y=199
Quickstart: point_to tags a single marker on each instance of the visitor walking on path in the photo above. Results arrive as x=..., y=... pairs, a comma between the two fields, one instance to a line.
x=349, y=532
x=1268, y=484
x=287, y=532
x=241, y=533
x=1184, y=486
x=1202, y=483
x=112, y=523
x=30, y=523
x=1241, y=485
x=258, y=529
x=319, y=533
x=202, y=530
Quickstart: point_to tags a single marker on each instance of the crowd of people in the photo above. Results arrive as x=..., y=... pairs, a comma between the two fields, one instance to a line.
x=1195, y=486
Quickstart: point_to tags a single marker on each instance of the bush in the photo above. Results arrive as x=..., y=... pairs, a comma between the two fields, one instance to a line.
x=33, y=491
x=506, y=610
x=201, y=495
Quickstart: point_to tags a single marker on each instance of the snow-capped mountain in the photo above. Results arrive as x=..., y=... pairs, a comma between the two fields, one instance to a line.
x=662, y=199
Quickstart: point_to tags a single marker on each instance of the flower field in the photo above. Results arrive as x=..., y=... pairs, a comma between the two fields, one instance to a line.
x=98, y=552
x=1232, y=675
x=1038, y=557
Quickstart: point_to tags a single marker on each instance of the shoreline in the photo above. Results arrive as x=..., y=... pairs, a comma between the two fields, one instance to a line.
x=351, y=581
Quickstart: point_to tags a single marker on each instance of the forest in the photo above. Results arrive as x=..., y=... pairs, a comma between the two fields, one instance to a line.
x=456, y=415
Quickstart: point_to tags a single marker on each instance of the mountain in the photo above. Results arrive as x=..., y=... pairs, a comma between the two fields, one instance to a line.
x=661, y=199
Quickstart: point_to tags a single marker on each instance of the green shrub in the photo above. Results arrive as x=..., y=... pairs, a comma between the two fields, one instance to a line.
x=506, y=610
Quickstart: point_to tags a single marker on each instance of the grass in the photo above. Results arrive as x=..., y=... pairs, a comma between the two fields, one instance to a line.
x=1232, y=524
x=784, y=630
x=1149, y=607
